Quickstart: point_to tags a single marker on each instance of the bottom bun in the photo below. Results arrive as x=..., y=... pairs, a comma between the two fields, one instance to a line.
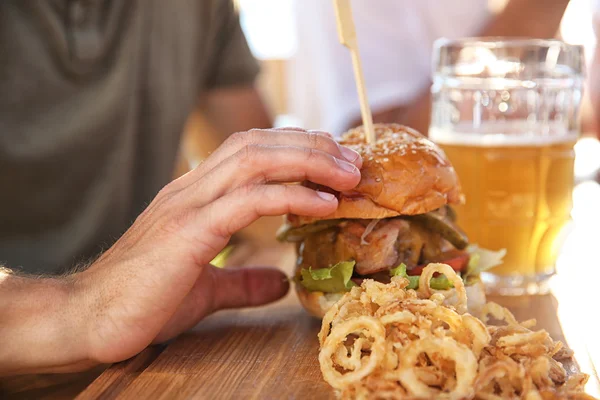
x=318, y=303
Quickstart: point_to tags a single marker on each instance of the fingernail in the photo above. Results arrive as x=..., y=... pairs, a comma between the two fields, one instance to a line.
x=349, y=154
x=346, y=166
x=320, y=133
x=326, y=196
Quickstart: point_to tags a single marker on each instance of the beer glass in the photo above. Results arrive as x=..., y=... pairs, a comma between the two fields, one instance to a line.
x=506, y=114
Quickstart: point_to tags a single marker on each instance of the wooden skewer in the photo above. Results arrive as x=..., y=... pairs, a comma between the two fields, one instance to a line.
x=347, y=34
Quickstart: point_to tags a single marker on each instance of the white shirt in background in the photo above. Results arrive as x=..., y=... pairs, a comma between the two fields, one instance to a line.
x=396, y=41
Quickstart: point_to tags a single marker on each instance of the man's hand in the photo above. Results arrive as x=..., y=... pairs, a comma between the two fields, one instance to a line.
x=156, y=281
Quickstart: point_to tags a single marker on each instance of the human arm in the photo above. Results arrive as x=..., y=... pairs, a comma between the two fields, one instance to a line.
x=37, y=323
x=156, y=281
x=219, y=113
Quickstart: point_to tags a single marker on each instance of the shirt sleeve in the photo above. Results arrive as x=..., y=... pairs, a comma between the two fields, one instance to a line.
x=232, y=62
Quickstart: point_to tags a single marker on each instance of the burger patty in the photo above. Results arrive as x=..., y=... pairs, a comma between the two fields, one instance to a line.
x=391, y=242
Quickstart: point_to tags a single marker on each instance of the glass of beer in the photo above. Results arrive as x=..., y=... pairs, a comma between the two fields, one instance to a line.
x=506, y=114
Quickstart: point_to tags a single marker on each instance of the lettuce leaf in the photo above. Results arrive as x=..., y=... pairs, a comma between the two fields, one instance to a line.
x=438, y=283
x=482, y=260
x=400, y=270
x=221, y=258
x=334, y=279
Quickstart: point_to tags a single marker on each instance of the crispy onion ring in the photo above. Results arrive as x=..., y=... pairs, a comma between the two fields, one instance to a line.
x=499, y=370
x=498, y=312
x=349, y=359
x=367, y=326
x=328, y=319
x=399, y=317
x=380, y=293
x=449, y=317
x=481, y=336
x=333, y=312
x=465, y=364
x=521, y=339
x=539, y=370
x=385, y=341
x=426, y=290
x=350, y=310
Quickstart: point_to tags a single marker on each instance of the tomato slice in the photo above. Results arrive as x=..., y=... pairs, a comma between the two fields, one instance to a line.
x=457, y=261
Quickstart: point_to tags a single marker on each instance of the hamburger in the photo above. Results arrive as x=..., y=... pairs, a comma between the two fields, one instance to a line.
x=398, y=219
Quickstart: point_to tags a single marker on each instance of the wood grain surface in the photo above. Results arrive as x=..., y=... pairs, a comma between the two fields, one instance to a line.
x=265, y=353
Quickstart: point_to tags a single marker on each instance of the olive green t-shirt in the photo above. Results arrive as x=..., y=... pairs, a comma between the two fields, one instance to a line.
x=94, y=95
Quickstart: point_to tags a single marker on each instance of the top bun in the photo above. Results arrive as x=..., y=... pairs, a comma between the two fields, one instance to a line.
x=403, y=173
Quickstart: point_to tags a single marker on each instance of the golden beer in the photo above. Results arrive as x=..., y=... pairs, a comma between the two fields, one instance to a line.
x=518, y=197
x=505, y=111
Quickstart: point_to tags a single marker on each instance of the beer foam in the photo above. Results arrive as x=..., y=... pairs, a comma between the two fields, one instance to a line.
x=490, y=139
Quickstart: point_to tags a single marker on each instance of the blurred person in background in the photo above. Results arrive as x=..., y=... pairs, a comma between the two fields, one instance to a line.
x=94, y=96
x=396, y=43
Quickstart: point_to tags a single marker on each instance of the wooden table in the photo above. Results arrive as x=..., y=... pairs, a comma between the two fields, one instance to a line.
x=266, y=353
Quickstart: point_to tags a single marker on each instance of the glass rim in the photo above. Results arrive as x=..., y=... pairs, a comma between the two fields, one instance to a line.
x=499, y=42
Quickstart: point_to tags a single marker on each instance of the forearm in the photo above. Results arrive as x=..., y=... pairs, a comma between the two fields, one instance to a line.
x=221, y=113
x=39, y=329
x=235, y=109
x=527, y=18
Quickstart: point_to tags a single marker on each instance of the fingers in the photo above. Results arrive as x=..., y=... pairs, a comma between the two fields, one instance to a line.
x=241, y=207
x=277, y=137
x=284, y=137
x=217, y=289
x=271, y=137
x=292, y=128
x=266, y=164
x=247, y=287
x=289, y=128
x=209, y=228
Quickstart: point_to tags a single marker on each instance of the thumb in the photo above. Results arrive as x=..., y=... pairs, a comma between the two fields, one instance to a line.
x=217, y=289
x=246, y=287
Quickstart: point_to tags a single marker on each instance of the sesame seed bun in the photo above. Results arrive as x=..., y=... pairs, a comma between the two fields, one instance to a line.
x=403, y=173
